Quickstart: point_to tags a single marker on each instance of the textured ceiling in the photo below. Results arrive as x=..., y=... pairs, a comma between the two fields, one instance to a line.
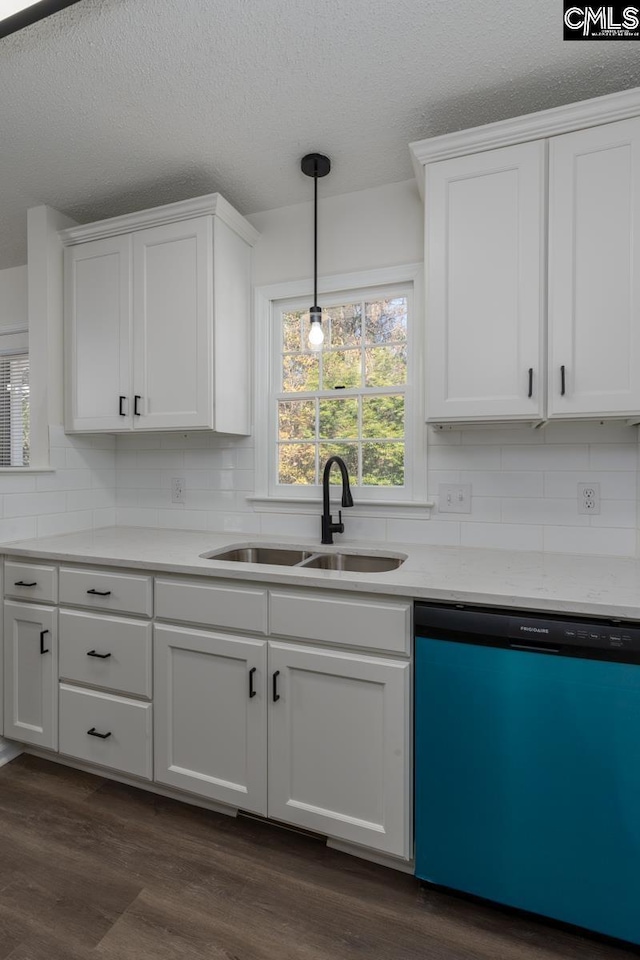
x=114, y=105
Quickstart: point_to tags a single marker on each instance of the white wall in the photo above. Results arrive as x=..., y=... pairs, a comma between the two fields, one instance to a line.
x=13, y=297
x=524, y=481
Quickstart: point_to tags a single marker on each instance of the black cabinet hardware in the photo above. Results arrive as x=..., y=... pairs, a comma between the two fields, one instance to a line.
x=252, y=691
x=43, y=634
x=99, y=656
x=100, y=593
x=562, y=381
x=94, y=733
x=120, y=410
x=136, y=400
x=276, y=695
x=23, y=583
x=530, y=382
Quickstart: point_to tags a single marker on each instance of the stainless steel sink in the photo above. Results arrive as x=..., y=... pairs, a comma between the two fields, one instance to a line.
x=352, y=562
x=308, y=558
x=281, y=556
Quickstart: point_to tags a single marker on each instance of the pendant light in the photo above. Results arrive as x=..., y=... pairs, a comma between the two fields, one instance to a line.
x=315, y=165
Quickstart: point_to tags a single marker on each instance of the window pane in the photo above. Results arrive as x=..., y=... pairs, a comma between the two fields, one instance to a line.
x=297, y=463
x=300, y=373
x=341, y=369
x=14, y=411
x=385, y=366
x=348, y=452
x=383, y=416
x=386, y=320
x=383, y=464
x=291, y=331
x=339, y=419
x=345, y=325
x=297, y=420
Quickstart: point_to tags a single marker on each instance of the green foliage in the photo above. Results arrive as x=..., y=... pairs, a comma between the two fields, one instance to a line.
x=372, y=354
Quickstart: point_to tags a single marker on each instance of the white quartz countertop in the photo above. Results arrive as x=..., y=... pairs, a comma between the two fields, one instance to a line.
x=563, y=583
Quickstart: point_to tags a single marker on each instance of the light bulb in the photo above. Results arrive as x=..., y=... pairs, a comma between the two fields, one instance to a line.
x=316, y=335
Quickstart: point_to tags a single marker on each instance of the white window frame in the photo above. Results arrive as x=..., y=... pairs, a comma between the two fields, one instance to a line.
x=268, y=303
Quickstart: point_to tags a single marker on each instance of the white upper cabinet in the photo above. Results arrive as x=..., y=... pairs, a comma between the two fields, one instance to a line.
x=533, y=276
x=157, y=308
x=485, y=218
x=98, y=335
x=594, y=271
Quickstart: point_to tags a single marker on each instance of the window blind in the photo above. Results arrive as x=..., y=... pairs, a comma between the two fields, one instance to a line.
x=14, y=410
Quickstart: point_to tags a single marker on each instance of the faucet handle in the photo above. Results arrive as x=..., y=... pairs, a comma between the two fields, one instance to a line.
x=339, y=525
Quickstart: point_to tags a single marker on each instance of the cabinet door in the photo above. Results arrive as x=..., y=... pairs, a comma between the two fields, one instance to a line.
x=98, y=335
x=31, y=674
x=173, y=310
x=485, y=218
x=594, y=271
x=339, y=756
x=211, y=715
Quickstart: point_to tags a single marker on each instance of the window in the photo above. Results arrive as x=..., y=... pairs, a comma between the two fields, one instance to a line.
x=353, y=399
x=14, y=409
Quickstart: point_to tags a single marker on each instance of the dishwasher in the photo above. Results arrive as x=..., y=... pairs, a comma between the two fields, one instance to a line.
x=527, y=762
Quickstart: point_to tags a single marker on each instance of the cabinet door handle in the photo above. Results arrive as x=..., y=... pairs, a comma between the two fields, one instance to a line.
x=23, y=583
x=136, y=401
x=120, y=410
x=94, y=733
x=100, y=656
x=43, y=634
x=563, y=384
x=530, y=382
x=100, y=593
x=276, y=695
x=252, y=690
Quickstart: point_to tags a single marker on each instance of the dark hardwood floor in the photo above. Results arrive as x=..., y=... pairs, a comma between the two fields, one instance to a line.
x=93, y=869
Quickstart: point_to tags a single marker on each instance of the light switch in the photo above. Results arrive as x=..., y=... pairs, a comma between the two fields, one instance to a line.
x=454, y=498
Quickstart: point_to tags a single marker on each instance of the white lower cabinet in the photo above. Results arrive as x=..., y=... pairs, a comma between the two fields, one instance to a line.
x=31, y=674
x=338, y=725
x=110, y=731
x=211, y=715
x=339, y=744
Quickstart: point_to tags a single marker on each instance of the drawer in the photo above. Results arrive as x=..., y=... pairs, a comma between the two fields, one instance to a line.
x=123, y=592
x=128, y=746
x=107, y=652
x=352, y=621
x=31, y=581
x=238, y=607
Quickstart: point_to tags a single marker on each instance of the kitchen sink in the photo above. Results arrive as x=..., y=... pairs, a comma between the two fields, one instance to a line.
x=281, y=556
x=309, y=558
x=353, y=562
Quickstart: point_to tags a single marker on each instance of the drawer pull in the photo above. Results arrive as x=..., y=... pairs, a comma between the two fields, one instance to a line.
x=43, y=634
x=276, y=695
x=101, y=736
x=136, y=401
x=530, y=394
x=100, y=593
x=252, y=691
x=120, y=410
x=23, y=583
x=99, y=656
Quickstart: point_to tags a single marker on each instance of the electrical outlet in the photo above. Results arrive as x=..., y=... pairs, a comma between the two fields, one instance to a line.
x=454, y=498
x=589, y=498
x=178, y=490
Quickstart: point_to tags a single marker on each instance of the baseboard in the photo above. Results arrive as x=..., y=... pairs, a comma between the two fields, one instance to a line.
x=404, y=866
x=8, y=751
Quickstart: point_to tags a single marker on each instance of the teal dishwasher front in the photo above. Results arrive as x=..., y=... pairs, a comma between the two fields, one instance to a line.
x=528, y=763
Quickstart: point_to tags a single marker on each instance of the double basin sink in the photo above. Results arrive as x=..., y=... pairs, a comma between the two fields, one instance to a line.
x=309, y=558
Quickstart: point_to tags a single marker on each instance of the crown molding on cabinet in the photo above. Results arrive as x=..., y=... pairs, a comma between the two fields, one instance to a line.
x=212, y=204
x=531, y=126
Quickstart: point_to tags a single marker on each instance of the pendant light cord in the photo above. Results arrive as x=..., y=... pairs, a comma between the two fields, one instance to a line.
x=315, y=239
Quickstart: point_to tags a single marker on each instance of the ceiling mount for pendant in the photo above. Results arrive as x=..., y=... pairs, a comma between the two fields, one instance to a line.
x=315, y=165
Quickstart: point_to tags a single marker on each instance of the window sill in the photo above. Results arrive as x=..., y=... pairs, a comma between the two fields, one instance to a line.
x=361, y=508
x=26, y=470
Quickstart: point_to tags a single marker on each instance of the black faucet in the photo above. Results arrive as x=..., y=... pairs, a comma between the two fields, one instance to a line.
x=328, y=526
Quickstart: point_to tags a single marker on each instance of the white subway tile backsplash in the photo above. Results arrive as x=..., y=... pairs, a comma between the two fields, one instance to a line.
x=465, y=458
x=598, y=541
x=57, y=523
x=545, y=457
x=136, y=517
x=502, y=536
x=485, y=483
x=33, y=504
x=616, y=513
x=614, y=456
x=539, y=510
x=433, y=532
x=620, y=485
